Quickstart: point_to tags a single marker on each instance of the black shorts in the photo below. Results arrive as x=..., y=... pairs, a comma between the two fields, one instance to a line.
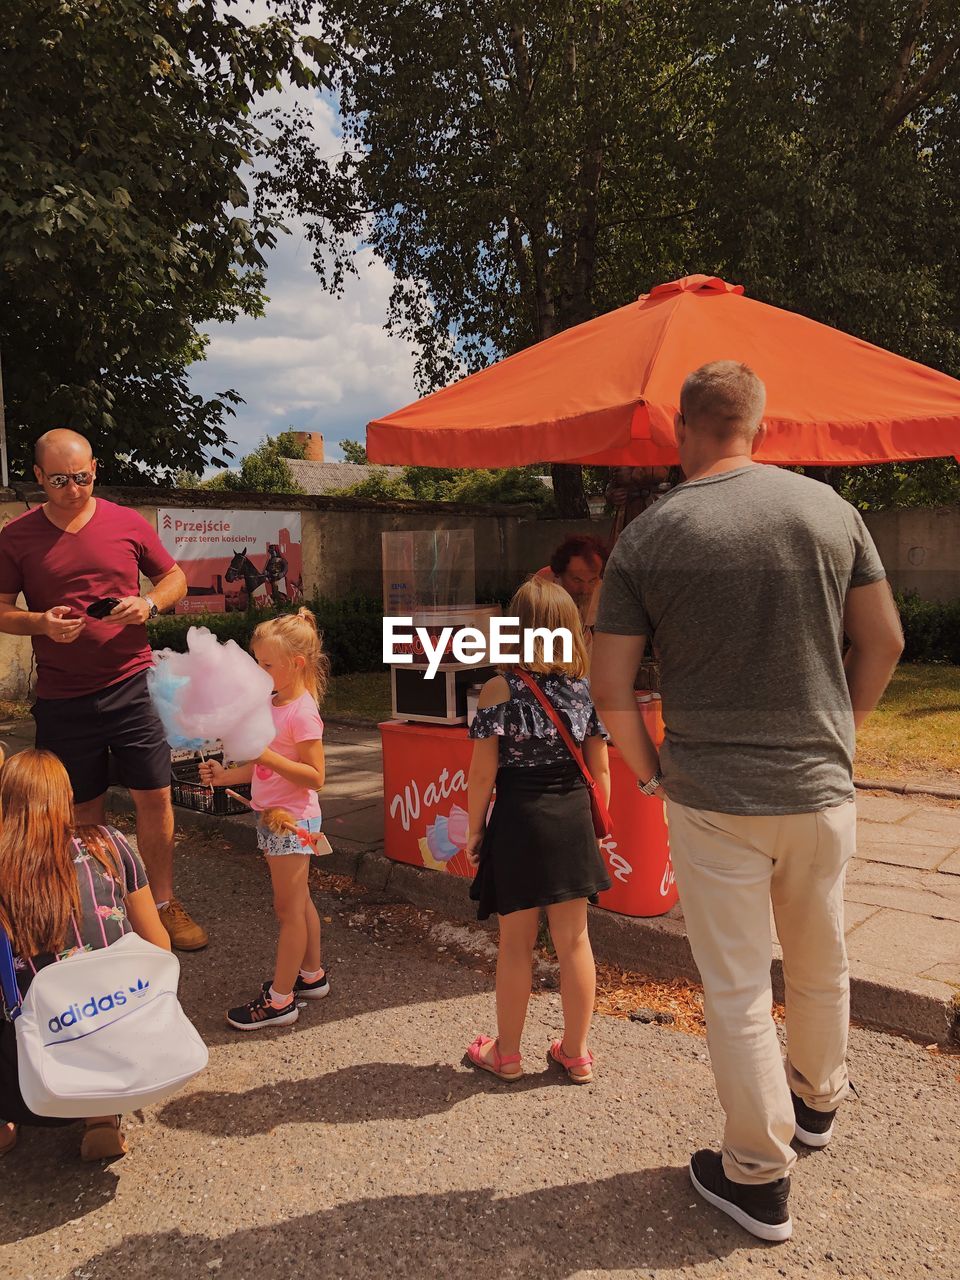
x=117, y=725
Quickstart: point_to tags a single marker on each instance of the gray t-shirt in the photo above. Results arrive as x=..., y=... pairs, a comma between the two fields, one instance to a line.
x=739, y=580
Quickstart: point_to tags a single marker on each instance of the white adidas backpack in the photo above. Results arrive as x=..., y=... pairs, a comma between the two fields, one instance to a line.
x=103, y=1031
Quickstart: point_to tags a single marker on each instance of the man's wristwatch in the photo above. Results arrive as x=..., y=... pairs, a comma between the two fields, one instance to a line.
x=650, y=788
x=153, y=608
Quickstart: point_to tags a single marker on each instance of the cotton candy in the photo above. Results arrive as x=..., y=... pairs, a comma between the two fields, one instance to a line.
x=438, y=840
x=458, y=826
x=213, y=693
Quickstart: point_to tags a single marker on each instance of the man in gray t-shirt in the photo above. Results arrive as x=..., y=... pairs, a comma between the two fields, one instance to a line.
x=743, y=582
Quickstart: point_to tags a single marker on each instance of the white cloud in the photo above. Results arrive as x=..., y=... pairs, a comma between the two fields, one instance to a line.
x=312, y=362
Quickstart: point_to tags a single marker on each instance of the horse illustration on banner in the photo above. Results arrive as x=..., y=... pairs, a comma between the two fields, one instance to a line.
x=275, y=568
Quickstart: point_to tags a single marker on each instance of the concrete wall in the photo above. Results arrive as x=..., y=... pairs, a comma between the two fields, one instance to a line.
x=341, y=545
x=920, y=549
x=342, y=548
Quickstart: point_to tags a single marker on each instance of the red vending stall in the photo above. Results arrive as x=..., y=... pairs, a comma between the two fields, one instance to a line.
x=425, y=816
x=637, y=852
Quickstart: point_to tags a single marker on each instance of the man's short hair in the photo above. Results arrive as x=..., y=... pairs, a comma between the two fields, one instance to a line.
x=725, y=398
x=579, y=544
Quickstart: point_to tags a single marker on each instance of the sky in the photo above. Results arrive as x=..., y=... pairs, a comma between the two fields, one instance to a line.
x=313, y=362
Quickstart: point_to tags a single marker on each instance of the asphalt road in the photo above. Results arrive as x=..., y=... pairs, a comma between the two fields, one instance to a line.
x=357, y=1144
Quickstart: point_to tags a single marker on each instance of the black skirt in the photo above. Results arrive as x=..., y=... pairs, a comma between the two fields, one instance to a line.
x=540, y=847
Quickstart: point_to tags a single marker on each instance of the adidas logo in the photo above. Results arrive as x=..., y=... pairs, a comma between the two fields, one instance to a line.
x=96, y=1005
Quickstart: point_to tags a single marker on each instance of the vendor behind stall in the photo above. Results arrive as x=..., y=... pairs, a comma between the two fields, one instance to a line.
x=577, y=565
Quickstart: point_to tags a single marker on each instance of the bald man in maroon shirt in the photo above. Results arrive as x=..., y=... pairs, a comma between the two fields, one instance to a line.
x=92, y=702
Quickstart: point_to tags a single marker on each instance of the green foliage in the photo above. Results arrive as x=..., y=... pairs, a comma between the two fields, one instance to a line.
x=533, y=180
x=931, y=629
x=556, y=160
x=353, y=451
x=933, y=482
x=831, y=163
x=519, y=485
x=127, y=127
x=352, y=630
x=263, y=471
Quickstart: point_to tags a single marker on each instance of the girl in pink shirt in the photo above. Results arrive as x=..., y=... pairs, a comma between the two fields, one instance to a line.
x=287, y=776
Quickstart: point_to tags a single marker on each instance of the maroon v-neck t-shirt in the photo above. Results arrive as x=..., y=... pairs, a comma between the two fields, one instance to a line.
x=104, y=558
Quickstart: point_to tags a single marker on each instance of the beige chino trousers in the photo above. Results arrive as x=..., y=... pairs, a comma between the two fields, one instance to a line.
x=728, y=871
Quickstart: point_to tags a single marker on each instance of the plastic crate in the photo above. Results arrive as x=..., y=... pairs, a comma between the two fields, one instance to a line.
x=190, y=793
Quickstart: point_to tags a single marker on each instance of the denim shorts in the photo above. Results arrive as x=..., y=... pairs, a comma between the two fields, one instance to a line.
x=272, y=845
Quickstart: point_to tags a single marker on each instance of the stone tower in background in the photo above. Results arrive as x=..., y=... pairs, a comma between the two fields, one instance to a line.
x=312, y=442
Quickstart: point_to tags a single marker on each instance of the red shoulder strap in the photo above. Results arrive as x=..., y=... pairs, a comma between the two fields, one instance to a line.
x=562, y=729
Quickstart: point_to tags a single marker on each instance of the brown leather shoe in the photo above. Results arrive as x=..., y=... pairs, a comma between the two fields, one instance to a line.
x=103, y=1140
x=185, y=933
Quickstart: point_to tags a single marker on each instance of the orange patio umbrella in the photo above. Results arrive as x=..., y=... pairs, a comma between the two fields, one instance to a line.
x=606, y=392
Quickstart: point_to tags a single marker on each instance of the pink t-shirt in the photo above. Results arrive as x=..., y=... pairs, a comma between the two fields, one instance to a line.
x=104, y=558
x=296, y=721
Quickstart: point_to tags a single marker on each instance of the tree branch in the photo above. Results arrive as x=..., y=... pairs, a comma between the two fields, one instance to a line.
x=908, y=47
x=922, y=90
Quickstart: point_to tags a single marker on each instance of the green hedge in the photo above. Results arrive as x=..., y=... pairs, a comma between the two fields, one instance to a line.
x=352, y=630
x=931, y=629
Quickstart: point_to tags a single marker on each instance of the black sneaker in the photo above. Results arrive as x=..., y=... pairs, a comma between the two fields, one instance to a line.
x=814, y=1128
x=261, y=1013
x=760, y=1208
x=307, y=990
x=313, y=990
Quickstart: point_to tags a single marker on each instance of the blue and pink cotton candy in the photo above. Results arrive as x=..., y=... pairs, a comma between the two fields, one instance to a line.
x=213, y=693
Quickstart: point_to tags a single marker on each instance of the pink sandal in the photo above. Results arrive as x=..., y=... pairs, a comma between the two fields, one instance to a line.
x=570, y=1065
x=496, y=1062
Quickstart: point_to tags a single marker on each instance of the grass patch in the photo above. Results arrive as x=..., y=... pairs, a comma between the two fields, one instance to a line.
x=916, y=727
x=363, y=696
x=914, y=730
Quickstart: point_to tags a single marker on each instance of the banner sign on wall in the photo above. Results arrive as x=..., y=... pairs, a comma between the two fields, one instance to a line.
x=234, y=559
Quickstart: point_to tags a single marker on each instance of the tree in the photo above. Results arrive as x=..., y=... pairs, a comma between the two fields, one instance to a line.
x=263, y=471
x=837, y=136
x=831, y=176
x=557, y=159
x=932, y=483
x=126, y=130
x=532, y=180
x=353, y=452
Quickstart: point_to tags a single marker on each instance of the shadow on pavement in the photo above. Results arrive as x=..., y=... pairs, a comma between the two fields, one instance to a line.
x=355, y=992
x=352, y=1095
x=230, y=894
x=613, y=1224
x=49, y=1184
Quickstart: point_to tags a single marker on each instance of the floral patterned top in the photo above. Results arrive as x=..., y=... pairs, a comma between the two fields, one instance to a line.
x=527, y=735
x=103, y=918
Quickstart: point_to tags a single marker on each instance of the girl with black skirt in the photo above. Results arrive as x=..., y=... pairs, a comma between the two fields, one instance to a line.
x=538, y=850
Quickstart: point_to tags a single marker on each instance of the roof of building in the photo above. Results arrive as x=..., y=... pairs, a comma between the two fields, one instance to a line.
x=325, y=477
